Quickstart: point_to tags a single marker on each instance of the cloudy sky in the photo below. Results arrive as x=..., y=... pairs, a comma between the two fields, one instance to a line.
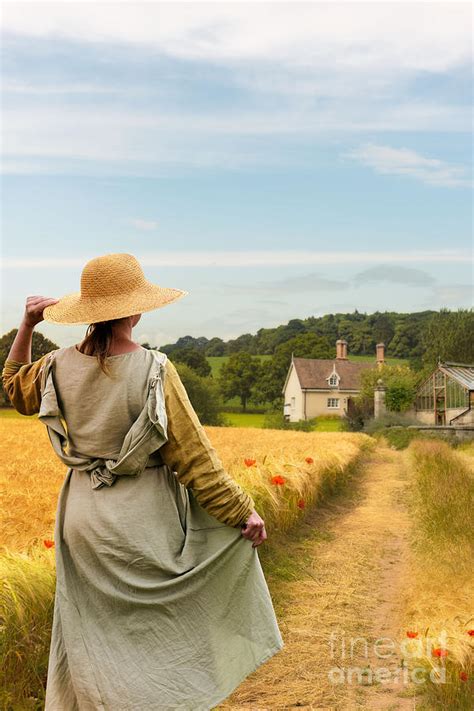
x=275, y=160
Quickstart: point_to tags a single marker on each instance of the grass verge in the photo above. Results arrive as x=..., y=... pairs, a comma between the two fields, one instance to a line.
x=440, y=591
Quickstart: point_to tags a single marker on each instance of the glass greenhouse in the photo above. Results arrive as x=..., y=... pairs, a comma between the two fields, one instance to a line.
x=446, y=393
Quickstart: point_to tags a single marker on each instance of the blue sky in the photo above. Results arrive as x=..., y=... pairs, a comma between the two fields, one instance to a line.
x=275, y=160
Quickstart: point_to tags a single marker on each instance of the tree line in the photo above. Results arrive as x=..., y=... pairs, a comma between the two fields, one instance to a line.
x=420, y=338
x=402, y=334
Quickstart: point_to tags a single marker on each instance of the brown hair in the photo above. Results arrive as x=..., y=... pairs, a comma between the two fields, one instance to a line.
x=98, y=340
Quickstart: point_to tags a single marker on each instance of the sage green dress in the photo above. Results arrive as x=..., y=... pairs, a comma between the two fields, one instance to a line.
x=158, y=605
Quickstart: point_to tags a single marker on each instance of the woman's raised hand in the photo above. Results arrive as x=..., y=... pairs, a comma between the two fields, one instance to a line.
x=34, y=308
x=255, y=529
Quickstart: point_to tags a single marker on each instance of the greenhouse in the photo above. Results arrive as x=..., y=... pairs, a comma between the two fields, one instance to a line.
x=446, y=397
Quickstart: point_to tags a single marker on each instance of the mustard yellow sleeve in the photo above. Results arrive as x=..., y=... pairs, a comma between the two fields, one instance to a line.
x=190, y=454
x=21, y=382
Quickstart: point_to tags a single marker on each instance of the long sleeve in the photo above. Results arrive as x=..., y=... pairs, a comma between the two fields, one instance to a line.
x=189, y=452
x=21, y=382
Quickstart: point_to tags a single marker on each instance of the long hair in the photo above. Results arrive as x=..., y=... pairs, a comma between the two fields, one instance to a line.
x=98, y=340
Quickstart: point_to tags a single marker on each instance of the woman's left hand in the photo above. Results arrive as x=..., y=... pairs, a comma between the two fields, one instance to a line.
x=34, y=308
x=254, y=529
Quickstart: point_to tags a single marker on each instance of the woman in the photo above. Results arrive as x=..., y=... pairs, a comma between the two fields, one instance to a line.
x=161, y=601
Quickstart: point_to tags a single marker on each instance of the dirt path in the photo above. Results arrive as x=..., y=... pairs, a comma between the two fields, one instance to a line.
x=341, y=596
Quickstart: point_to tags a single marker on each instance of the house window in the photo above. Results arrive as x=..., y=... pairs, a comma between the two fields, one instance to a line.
x=293, y=403
x=333, y=379
x=333, y=402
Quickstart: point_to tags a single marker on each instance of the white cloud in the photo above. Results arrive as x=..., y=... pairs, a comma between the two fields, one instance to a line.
x=420, y=36
x=150, y=144
x=313, y=69
x=403, y=161
x=253, y=258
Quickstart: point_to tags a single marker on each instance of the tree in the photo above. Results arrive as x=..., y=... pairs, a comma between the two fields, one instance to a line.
x=268, y=388
x=448, y=336
x=400, y=383
x=238, y=376
x=203, y=393
x=245, y=342
x=360, y=338
x=399, y=396
x=383, y=329
x=406, y=341
x=215, y=347
x=194, y=358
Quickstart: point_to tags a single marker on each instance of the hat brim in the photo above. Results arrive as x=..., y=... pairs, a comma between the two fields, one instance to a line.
x=75, y=309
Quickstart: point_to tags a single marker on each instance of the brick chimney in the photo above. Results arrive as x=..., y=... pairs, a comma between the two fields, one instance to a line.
x=380, y=351
x=341, y=349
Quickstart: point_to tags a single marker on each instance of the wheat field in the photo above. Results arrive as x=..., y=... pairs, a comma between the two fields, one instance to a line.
x=32, y=474
x=286, y=473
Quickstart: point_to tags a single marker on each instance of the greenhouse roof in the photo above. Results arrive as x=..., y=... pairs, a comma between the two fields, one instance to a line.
x=462, y=372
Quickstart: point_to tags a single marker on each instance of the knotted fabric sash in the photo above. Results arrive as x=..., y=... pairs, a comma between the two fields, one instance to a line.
x=147, y=434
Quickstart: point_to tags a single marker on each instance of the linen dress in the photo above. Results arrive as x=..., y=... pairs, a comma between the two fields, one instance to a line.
x=158, y=603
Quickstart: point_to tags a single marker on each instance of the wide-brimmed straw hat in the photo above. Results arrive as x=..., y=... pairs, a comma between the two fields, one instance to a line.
x=112, y=286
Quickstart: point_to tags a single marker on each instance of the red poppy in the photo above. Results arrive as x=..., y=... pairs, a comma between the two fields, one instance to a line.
x=301, y=504
x=440, y=652
x=278, y=479
x=412, y=635
x=48, y=543
x=250, y=462
x=470, y=633
x=310, y=460
x=464, y=676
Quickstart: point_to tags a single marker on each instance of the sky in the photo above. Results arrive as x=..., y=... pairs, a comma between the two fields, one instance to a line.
x=275, y=160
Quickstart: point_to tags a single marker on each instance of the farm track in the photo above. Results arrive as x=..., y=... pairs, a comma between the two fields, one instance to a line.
x=345, y=566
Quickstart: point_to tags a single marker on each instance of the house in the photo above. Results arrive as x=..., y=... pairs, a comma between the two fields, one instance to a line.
x=324, y=386
x=446, y=397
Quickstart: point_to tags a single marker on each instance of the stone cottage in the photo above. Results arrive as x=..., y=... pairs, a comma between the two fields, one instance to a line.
x=324, y=386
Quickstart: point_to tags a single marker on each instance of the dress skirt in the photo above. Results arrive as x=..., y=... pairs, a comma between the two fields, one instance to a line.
x=158, y=605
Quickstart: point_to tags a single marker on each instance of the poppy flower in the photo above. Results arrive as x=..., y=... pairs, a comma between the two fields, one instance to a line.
x=300, y=504
x=440, y=652
x=278, y=479
x=470, y=633
x=48, y=543
x=310, y=460
x=412, y=635
x=249, y=462
x=463, y=676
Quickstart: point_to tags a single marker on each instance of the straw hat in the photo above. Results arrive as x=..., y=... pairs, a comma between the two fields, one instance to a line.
x=112, y=286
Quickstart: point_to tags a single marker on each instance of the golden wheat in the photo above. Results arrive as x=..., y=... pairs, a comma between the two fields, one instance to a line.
x=32, y=475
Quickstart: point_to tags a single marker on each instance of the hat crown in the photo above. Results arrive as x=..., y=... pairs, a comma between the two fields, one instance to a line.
x=113, y=286
x=111, y=274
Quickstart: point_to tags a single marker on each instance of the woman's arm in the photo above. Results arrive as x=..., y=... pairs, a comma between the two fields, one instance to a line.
x=20, y=376
x=21, y=347
x=21, y=382
x=189, y=452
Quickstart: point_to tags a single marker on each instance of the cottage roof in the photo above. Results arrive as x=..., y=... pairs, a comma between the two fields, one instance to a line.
x=312, y=372
x=462, y=372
